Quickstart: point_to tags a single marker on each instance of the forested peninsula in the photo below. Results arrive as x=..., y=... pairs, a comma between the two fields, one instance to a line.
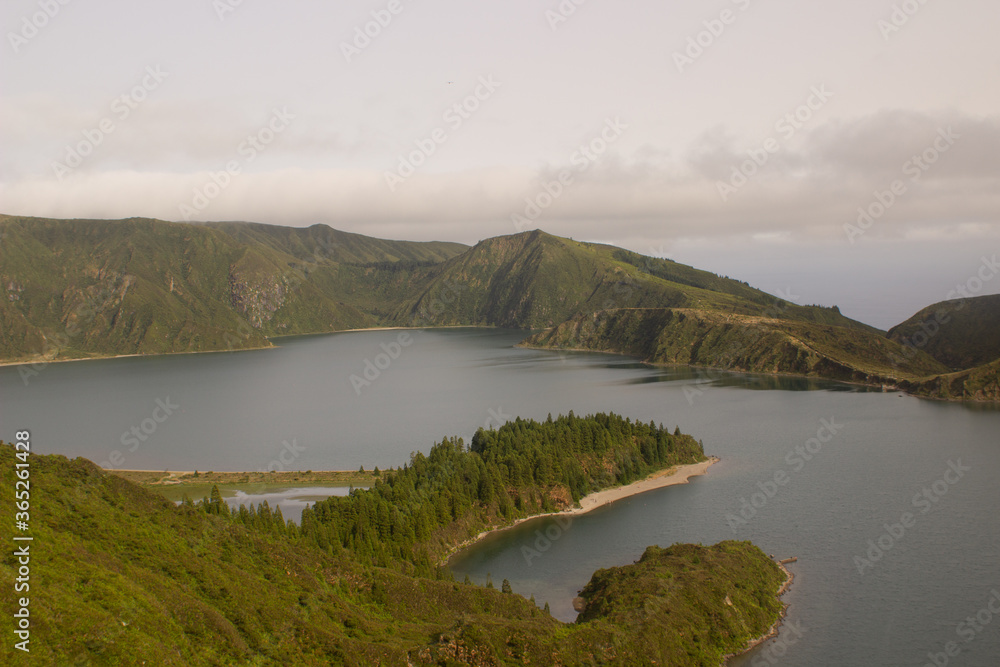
x=121, y=575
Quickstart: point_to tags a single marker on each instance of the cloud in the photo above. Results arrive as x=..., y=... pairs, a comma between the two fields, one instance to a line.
x=808, y=189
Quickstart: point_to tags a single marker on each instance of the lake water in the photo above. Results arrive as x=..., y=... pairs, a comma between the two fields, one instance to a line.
x=291, y=500
x=872, y=455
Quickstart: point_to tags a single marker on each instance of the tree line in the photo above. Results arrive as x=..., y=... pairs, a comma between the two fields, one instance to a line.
x=416, y=513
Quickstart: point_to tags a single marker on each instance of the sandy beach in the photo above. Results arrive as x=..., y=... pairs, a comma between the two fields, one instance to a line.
x=590, y=502
x=668, y=477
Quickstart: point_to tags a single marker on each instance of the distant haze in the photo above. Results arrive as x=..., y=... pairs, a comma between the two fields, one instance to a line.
x=739, y=136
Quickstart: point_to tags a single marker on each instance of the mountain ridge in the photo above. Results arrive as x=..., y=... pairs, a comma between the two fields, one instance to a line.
x=79, y=289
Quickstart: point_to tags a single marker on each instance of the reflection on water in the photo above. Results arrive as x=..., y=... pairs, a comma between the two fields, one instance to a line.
x=291, y=501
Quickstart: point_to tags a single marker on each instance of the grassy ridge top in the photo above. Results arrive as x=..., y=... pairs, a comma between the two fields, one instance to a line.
x=536, y=280
x=121, y=576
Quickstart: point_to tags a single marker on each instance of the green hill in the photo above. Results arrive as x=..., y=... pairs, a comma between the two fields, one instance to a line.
x=961, y=334
x=120, y=576
x=86, y=288
x=536, y=280
x=97, y=288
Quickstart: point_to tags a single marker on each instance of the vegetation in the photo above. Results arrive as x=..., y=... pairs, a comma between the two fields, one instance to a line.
x=961, y=334
x=742, y=342
x=976, y=384
x=121, y=576
x=183, y=480
x=687, y=604
x=420, y=512
x=91, y=288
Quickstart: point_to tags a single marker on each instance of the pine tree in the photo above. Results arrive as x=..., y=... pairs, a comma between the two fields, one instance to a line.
x=546, y=609
x=217, y=503
x=505, y=587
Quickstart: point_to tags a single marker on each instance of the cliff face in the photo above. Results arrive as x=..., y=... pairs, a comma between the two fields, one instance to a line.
x=740, y=343
x=981, y=384
x=256, y=297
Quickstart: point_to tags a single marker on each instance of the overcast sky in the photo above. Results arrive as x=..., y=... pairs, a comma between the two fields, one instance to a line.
x=740, y=136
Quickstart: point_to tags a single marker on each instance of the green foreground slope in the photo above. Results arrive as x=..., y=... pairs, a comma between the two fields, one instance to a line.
x=120, y=576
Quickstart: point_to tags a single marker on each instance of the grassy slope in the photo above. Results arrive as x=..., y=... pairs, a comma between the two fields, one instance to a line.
x=961, y=334
x=740, y=342
x=98, y=288
x=120, y=576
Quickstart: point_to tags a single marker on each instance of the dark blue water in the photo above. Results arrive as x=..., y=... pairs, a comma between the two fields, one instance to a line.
x=296, y=407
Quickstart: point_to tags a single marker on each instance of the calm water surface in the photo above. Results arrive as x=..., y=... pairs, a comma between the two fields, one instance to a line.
x=296, y=408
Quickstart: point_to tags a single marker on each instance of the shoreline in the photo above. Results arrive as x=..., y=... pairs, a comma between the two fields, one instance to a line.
x=270, y=339
x=773, y=631
x=668, y=477
x=884, y=387
x=159, y=479
x=45, y=362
